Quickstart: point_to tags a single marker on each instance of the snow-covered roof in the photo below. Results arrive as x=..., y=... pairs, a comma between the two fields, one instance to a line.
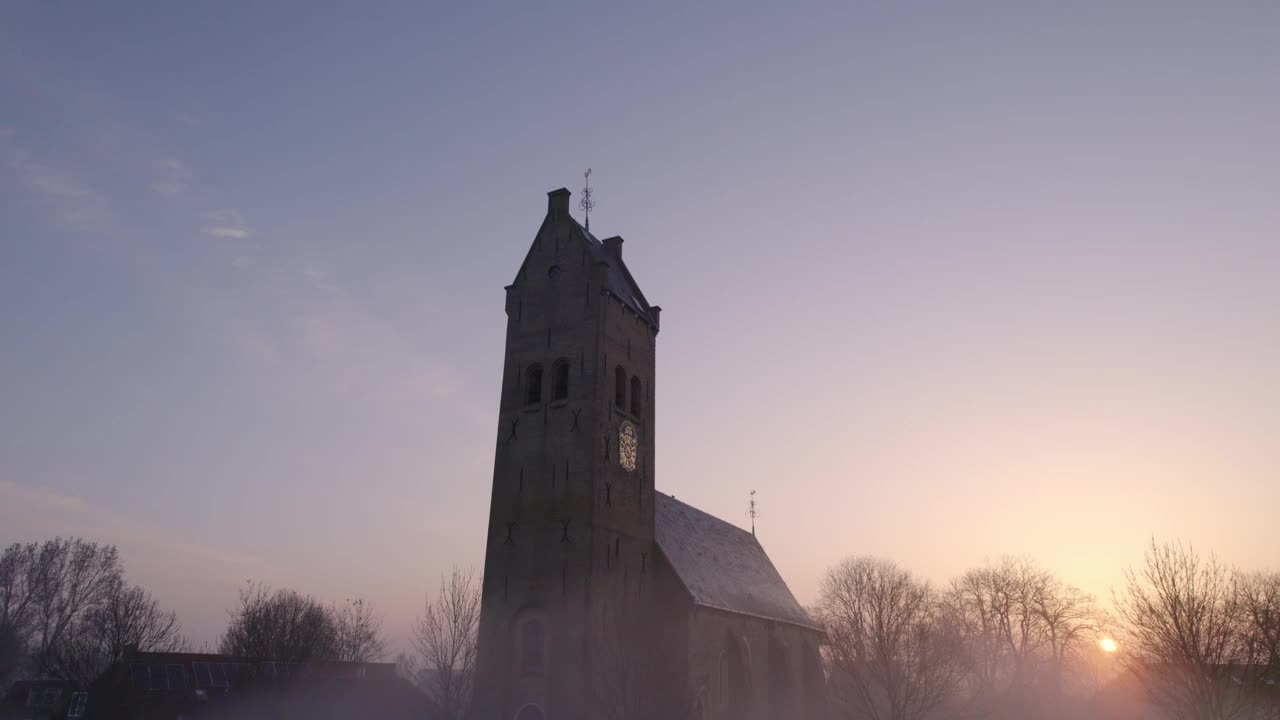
x=723, y=566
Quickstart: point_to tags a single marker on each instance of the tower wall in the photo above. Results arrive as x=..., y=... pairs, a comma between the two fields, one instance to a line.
x=569, y=528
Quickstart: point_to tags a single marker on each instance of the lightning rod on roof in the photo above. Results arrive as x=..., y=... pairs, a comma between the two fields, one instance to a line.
x=587, y=202
x=753, y=512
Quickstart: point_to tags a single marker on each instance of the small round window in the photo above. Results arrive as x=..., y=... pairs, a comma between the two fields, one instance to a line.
x=553, y=272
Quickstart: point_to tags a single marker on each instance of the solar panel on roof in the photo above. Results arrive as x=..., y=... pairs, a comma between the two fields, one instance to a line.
x=218, y=672
x=141, y=677
x=203, y=679
x=177, y=679
x=78, y=701
x=159, y=681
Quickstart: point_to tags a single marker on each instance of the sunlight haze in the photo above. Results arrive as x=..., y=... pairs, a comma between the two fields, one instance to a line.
x=991, y=279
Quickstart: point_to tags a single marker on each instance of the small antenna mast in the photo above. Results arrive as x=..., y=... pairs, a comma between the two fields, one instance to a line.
x=587, y=202
x=753, y=512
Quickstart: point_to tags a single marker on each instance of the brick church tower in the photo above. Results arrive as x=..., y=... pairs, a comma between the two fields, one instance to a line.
x=571, y=519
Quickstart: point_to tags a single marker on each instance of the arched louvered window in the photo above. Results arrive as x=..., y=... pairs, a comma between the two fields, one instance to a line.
x=637, y=396
x=620, y=388
x=560, y=380
x=533, y=384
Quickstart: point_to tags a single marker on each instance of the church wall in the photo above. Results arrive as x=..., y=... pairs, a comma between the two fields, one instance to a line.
x=777, y=682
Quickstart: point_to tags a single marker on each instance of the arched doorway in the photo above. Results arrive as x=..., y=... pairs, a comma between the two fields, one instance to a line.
x=530, y=712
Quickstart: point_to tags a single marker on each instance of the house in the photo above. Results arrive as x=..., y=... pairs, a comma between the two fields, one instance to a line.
x=165, y=686
x=42, y=699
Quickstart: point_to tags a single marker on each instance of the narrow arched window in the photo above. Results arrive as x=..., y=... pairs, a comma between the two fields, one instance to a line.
x=532, y=639
x=637, y=398
x=620, y=388
x=533, y=384
x=560, y=380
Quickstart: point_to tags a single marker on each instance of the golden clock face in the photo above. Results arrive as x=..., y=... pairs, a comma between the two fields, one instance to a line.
x=627, y=446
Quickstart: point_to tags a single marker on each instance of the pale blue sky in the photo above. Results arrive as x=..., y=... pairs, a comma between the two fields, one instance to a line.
x=941, y=281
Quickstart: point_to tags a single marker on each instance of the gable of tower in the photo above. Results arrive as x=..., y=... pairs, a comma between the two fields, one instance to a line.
x=618, y=279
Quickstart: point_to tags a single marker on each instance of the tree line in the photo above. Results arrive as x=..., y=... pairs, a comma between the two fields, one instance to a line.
x=1200, y=640
x=67, y=611
x=1007, y=640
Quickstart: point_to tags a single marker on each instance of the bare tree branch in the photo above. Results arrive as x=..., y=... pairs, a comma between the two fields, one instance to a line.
x=893, y=655
x=359, y=630
x=445, y=640
x=1184, y=635
x=283, y=625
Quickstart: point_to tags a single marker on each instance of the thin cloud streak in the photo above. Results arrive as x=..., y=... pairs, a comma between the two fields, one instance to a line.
x=176, y=178
x=227, y=224
x=220, y=231
x=72, y=203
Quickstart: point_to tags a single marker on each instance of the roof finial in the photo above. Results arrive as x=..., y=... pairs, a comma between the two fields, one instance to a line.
x=586, y=203
x=753, y=512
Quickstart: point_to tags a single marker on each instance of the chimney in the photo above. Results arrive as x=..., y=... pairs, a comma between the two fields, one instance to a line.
x=614, y=245
x=558, y=202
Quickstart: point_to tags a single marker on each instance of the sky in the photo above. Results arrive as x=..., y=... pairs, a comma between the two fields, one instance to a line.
x=942, y=282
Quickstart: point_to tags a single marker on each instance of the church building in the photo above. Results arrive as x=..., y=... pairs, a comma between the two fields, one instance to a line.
x=602, y=597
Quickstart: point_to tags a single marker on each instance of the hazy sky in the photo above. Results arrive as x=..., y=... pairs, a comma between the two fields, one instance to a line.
x=942, y=282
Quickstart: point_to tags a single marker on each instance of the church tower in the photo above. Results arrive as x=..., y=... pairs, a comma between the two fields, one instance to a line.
x=571, y=515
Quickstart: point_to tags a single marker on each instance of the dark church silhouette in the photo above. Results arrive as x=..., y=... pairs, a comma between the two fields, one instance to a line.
x=601, y=596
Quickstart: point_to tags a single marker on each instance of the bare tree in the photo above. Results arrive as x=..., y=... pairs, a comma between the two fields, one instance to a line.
x=974, y=604
x=1003, y=634
x=48, y=591
x=1072, y=624
x=359, y=632
x=445, y=640
x=18, y=583
x=1025, y=633
x=12, y=655
x=128, y=619
x=1182, y=635
x=893, y=656
x=1259, y=600
x=283, y=625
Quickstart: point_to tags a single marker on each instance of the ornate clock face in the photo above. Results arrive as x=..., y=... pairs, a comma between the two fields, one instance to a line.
x=627, y=446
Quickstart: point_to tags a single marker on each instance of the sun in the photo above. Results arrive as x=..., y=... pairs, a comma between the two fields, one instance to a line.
x=1108, y=645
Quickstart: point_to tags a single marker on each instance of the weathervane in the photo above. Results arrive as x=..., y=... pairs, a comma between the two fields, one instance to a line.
x=751, y=510
x=586, y=203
